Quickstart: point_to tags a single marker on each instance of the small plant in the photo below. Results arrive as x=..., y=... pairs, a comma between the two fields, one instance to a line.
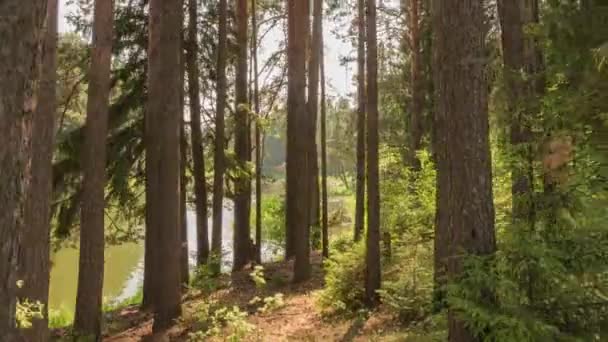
x=205, y=276
x=257, y=275
x=213, y=320
x=28, y=311
x=272, y=303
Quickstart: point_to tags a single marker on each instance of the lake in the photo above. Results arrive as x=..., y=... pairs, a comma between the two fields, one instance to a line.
x=123, y=275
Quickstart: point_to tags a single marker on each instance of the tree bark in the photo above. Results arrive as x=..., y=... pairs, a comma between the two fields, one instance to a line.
x=258, y=136
x=164, y=67
x=218, y=155
x=361, y=90
x=416, y=128
x=242, y=239
x=198, y=158
x=463, y=157
x=324, y=207
x=34, y=258
x=298, y=181
x=183, y=205
x=372, y=256
x=20, y=34
x=87, y=321
x=313, y=105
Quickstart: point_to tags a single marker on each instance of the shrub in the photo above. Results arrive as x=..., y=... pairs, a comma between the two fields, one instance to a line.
x=345, y=274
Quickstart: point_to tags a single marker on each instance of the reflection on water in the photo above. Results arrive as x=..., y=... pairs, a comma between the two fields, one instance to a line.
x=124, y=266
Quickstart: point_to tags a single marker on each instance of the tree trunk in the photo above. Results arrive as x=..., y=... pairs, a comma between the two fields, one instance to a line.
x=87, y=321
x=34, y=258
x=183, y=179
x=313, y=106
x=258, y=136
x=218, y=155
x=372, y=256
x=198, y=158
x=164, y=66
x=20, y=34
x=416, y=128
x=324, y=211
x=242, y=240
x=298, y=181
x=360, y=182
x=183, y=205
x=463, y=157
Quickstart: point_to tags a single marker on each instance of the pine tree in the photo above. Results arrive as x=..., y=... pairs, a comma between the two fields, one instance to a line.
x=20, y=29
x=198, y=159
x=372, y=255
x=34, y=257
x=360, y=181
x=87, y=321
x=163, y=108
x=242, y=240
x=298, y=181
x=218, y=155
x=466, y=220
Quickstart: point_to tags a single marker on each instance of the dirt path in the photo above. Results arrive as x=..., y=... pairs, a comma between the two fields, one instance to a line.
x=297, y=320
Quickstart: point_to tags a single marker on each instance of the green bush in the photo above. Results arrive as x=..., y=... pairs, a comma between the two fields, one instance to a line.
x=344, y=291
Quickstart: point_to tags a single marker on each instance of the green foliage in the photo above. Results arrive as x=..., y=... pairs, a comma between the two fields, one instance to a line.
x=257, y=275
x=268, y=304
x=273, y=219
x=344, y=278
x=205, y=276
x=27, y=311
x=211, y=320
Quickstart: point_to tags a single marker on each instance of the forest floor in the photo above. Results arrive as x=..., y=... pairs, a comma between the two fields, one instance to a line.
x=297, y=318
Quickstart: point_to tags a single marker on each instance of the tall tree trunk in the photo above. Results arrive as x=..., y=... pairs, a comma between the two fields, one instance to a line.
x=416, y=128
x=164, y=109
x=360, y=182
x=183, y=179
x=463, y=159
x=324, y=209
x=372, y=255
x=183, y=205
x=218, y=154
x=242, y=241
x=258, y=136
x=513, y=58
x=198, y=158
x=20, y=34
x=87, y=321
x=34, y=258
x=298, y=181
x=313, y=107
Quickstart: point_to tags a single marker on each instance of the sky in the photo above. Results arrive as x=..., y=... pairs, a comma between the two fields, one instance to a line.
x=339, y=77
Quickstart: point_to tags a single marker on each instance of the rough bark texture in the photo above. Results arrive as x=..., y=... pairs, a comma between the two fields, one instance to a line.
x=183, y=179
x=360, y=182
x=218, y=155
x=258, y=136
x=298, y=181
x=324, y=207
x=242, y=186
x=463, y=157
x=34, y=258
x=290, y=155
x=20, y=33
x=372, y=255
x=164, y=67
x=183, y=206
x=87, y=318
x=198, y=159
x=416, y=127
x=313, y=108
x=513, y=42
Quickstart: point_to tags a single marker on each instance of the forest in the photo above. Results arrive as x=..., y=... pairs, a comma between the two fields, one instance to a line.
x=304, y=170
